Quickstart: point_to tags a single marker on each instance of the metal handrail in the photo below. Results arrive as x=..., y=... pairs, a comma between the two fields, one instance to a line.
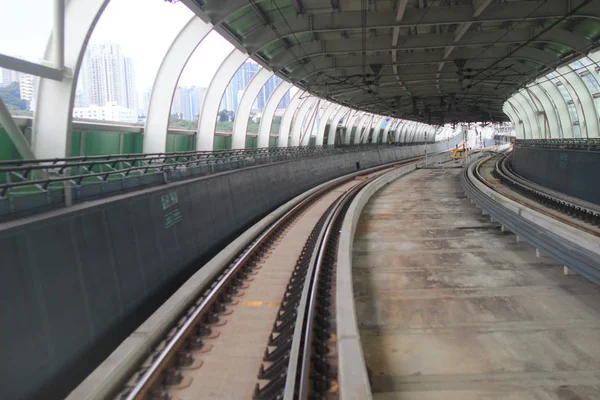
x=42, y=173
x=592, y=144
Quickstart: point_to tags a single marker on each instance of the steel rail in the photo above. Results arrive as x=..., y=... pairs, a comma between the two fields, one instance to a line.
x=562, y=200
x=573, y=255
x=153, y=372
x=164, y=358
x=305, y=358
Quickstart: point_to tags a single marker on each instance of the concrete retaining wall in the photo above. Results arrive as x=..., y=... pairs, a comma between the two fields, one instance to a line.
x=77, y=281
x=571, y=172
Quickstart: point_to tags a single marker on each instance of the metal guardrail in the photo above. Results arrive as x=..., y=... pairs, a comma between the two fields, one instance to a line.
x=577, y=258
x=563, y=144
x=42, y=173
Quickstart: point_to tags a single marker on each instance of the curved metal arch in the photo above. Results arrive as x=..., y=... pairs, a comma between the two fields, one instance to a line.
x=361, y=126
x=529, y=113
x=586, y=101
x=386, y=131
x=576, y=102
x=165, y=83
x=266, y=122
x=240, y=123
x=288, y=116
x=561, y=105
x=368, y=126
x=377, y=131
x=299, y=120
x=550, y=116
x=561, y=123
x=513, y=118
x=53, y=118
x=310, y=122
x=324, y=121
x=205, y=135
x=351, y=124
x=339, y=114
x=519, y=113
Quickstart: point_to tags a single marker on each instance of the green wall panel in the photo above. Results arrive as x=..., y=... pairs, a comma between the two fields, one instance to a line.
x=273, y=141
x=222, y=143
x=101, y=143
x=75, y=144
x=177, y=142
x=133, y=143
x=8, y=151
x=251, y=142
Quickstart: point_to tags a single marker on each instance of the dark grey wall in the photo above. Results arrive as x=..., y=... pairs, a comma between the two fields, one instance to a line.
x=75, y=285
x=572, y=172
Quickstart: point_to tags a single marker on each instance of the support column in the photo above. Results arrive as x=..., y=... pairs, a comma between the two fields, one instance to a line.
x=165, y=83
x=54, y=108
x=329, y=111
x=361, y=124
x=288, y=116
x=205, y=136
x=240, y=124
x=356, y=115
x=266, y=122
x=339, y=114
x=299, y=120
x=14, y=133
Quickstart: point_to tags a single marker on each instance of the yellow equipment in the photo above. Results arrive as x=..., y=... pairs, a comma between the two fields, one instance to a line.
x=459, y=152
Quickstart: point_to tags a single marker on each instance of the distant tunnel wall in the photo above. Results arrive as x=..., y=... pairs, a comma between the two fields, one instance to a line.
x=75, y=283
x=573, y=172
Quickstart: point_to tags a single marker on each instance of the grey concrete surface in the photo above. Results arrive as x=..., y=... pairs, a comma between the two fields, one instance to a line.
x=450, y=307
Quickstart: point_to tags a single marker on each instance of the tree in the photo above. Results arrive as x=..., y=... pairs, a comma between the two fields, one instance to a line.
x=12, y=97
x=226, y=115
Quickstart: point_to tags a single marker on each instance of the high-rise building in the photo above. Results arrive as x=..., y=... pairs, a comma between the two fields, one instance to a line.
x=238, y=83
x=27, y=89
x=187, y=102
x=8, y=76
x=267, y=91
x=107, y=76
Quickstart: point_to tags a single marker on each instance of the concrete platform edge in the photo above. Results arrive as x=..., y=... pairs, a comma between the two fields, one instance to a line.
x=353, y=379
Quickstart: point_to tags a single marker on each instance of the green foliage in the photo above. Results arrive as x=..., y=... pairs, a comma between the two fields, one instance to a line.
x=12, y=98
x=226, y=126
x=225, y=116
x=175, y=122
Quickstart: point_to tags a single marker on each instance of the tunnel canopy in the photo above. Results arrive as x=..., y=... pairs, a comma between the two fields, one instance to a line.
x=433, y=61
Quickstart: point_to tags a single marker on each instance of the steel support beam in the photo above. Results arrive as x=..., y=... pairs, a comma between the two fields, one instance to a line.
x=165, y=83
x=339, y=114
x=329, y=111
x=205, y=136
x=299, y=120
x=288, y=116
x=240, y=124
x=266, y=122
x=53, y=113
x=14, y=133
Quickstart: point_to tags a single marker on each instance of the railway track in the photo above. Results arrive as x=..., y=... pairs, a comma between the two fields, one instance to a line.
x=497, y=173
x=300, y=356
x=562, y=227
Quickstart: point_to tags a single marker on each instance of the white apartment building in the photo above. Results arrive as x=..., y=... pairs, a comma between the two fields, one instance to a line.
x=109, y=112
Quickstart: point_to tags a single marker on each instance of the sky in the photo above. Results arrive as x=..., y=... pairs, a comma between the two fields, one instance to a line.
x=144, y=29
